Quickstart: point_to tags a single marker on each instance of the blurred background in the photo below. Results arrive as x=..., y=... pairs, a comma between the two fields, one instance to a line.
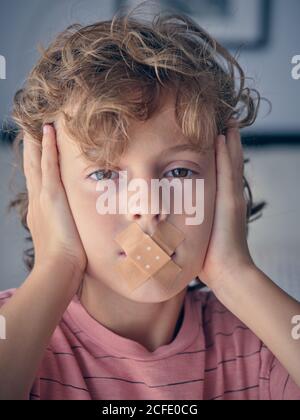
x=265, y=33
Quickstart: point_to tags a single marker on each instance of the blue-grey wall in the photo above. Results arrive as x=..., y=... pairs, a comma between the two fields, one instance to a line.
x=25, y=23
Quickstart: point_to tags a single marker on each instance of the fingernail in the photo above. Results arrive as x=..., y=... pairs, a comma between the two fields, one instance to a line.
x=46, y=129
x=222, y=139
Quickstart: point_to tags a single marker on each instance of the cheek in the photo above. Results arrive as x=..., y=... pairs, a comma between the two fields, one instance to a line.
x=205, y=228
x=202, y=232
x=198, y=236
x=95, y=230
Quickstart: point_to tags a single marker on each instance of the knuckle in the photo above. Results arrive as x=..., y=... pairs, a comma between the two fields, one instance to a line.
x=49, y=185
x=48, y=164
x=32, y=165
x=230, y=203
x=47, y=195
x=230, y=178
x=29, y=165
x=26, y=167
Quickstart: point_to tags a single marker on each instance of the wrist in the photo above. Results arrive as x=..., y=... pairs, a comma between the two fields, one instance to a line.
x=60, y=273
x=233, y=278
x=57, y=262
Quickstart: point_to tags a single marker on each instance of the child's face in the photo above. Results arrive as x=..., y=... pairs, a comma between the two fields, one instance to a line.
x=144, y=159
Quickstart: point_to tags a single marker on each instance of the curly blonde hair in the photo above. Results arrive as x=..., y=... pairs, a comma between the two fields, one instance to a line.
x=100, y=75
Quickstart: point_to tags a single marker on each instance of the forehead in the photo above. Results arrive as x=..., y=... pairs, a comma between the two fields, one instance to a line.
x=152, y=136
x=158, y=132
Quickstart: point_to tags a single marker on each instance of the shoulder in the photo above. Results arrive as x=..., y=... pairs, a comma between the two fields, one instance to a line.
x=226, y=334
x=215, y=316
x=231, y=344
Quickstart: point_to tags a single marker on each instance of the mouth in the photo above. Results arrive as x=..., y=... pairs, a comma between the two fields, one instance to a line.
x=123, y=254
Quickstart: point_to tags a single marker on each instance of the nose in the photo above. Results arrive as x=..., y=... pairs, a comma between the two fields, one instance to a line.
x=148, y=214
x=147, y=222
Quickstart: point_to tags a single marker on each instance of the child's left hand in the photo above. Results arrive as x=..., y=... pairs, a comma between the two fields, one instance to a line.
x=229, y=271
x=228, y=250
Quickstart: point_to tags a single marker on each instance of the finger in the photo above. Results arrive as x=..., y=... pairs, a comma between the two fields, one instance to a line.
x=32, y=151
x=236, y=154
x=225, y=178
x=49, y=161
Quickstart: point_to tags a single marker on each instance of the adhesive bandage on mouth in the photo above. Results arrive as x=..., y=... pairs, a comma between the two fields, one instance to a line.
x=149, y=257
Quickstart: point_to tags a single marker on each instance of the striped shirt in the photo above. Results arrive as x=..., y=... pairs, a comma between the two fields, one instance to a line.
x=214, y=356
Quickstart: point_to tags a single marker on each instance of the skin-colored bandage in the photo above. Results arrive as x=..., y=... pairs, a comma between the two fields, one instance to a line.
x=149, y=256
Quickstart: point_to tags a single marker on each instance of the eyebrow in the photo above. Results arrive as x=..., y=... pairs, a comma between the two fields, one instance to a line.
x=174, y=149
x=182, y=148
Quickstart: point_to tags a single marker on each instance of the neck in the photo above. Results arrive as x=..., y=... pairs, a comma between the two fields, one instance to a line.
x=150, y=324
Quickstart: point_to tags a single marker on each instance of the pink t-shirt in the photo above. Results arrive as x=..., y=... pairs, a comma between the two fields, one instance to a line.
x=214, y=356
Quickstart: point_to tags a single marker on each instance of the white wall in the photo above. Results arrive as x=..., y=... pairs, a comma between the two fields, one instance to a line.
x=272, y=68
x=274, y=239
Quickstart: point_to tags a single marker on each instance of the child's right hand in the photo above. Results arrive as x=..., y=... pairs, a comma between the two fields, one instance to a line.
x=49, y=218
